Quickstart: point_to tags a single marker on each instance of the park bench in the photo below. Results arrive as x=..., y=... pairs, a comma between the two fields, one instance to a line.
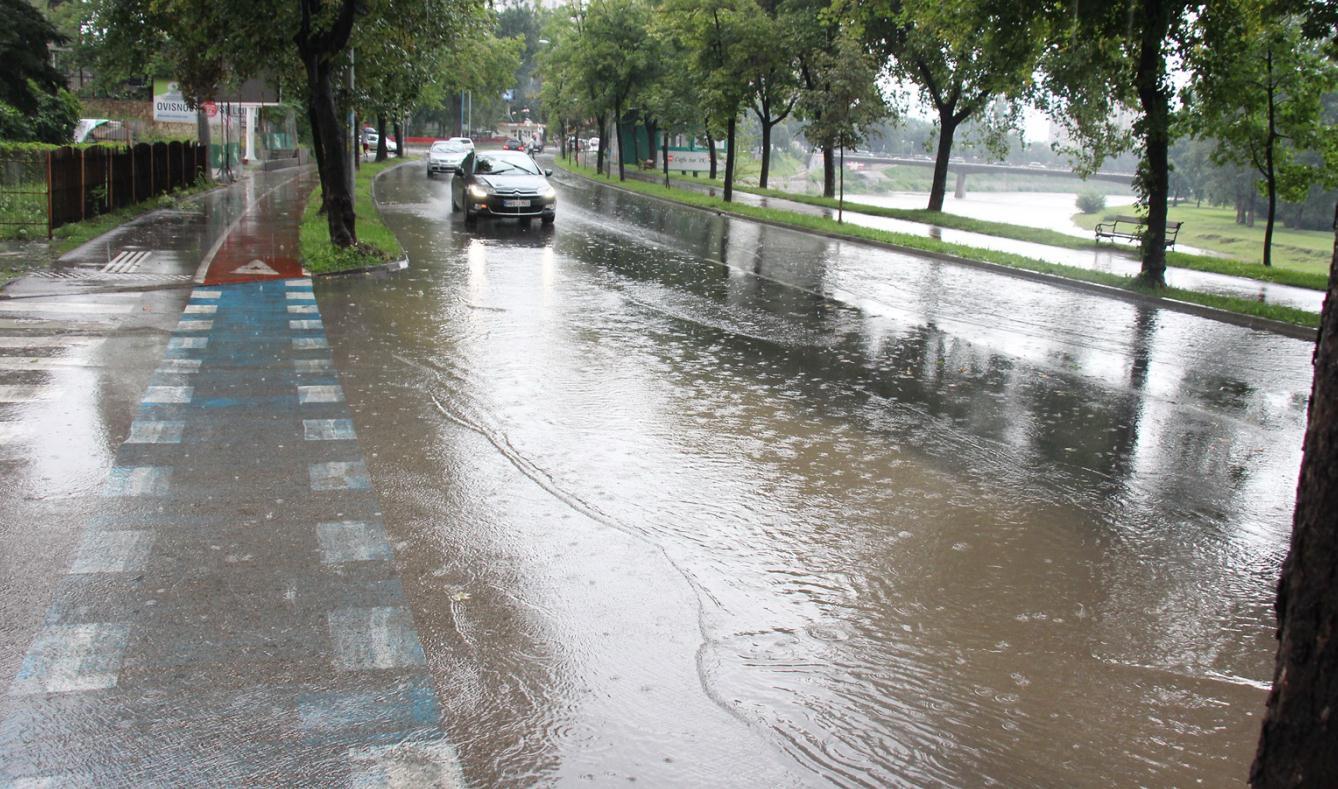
x=1132, y=228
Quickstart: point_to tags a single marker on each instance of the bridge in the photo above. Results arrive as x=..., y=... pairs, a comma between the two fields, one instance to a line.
x=963, y=169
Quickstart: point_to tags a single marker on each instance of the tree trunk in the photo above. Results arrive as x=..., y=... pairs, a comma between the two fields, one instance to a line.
x=399, y=141
x=828, y=171
x=666, y=158
x=603, y=144
x=317, y=150
x=1270, y=176
x=1296, y=744
x=652, y=131
x=766, y=155
x=1154, y=96
x=618, y=137
x=729, y=159
x=381, y=150
x=710, y=147
x=947, y=128
x=335, y=180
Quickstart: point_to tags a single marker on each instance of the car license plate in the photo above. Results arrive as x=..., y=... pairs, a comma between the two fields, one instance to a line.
x=515, y=203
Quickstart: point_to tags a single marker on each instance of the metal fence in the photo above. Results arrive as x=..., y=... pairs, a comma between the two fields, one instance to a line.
x=42, y=190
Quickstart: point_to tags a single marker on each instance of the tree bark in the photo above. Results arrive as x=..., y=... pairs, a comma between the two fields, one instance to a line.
x=399, y=141
x=828, y=171
x=766, y=155
x=317, y=51
x=947, y=128
x=1296, y=744
x=603, y=143
x=666, y=158
x=710, y=148
x=1270, y=177
x=1155, y=97
x=382, y=151
x=729, y=158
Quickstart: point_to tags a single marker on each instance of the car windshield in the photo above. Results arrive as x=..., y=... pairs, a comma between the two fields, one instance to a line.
x=497, y=163
x=447, y=147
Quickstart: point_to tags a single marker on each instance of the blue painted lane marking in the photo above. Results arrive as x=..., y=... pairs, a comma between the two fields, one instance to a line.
x=138, y=481
x=339, y=476
x=374, y=638
x=328, y=429
x=352, y=541
x=395, y=714
x=68, y=658
x=112, y=552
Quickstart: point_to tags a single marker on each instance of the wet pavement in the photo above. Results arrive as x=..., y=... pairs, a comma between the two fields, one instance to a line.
x=223, y=604
x=651, y=495
x=1112, y=258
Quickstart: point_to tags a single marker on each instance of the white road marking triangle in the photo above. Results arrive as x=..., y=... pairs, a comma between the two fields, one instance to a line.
x=255, y=267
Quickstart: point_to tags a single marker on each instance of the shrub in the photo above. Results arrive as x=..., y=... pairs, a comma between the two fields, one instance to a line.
x=1091, y=202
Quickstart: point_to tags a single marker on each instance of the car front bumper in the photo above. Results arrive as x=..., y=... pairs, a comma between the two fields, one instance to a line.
x=496, y=205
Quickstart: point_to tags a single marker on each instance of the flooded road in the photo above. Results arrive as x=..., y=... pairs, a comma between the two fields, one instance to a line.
x=686, y=500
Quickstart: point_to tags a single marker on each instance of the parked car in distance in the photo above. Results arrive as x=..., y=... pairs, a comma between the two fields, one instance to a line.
x=503, y=183
x=372, y=138
x=512, y=144
x=446, y=155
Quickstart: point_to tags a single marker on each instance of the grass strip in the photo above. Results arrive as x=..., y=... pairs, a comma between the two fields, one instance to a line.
x=376, y=243
x=855, y=232
x=67, y=237
x=1215, y=265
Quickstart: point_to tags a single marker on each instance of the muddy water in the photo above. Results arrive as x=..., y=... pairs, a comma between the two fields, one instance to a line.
x=687, y=500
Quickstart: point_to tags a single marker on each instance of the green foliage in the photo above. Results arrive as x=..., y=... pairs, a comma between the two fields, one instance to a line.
x=27, y=74
x=52, y=122
x=848, y=101
x=1091, y=202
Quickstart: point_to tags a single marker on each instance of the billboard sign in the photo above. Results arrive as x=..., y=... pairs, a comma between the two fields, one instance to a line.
x=684, y=159
x=169, y=106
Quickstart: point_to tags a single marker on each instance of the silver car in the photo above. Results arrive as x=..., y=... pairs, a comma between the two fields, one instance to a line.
x=445, y=156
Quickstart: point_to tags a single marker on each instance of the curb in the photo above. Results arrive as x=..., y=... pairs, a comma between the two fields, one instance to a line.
x=1212, y=313
x=383, y=268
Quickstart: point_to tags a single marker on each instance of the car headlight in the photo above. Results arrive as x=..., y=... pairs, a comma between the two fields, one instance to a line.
x=549, y=193
x=477, y=192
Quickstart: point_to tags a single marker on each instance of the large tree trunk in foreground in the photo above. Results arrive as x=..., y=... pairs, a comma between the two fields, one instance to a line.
x=1299, y=742
x=1154, y=95
x=382, y=151
x=947, y=129
x=710, y=148
x=766, y=155
x=318, y=51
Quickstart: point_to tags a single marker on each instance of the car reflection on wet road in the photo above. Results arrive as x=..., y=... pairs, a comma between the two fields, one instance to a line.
x=691, y=500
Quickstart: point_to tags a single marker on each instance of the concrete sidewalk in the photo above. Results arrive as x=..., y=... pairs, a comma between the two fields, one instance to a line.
x=215, y=599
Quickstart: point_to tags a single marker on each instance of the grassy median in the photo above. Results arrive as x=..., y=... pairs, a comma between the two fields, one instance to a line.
x=832, y=228
x=376, y=243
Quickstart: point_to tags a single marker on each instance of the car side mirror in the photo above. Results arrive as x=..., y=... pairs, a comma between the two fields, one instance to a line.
x=548, y=173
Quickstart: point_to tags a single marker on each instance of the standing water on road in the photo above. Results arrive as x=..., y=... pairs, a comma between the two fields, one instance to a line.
x=687, y=500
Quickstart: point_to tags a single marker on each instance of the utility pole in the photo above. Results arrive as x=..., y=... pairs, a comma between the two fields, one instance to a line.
x=352, y=128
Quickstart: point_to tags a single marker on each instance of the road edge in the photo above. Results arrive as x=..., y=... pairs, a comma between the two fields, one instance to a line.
x=1199, y=310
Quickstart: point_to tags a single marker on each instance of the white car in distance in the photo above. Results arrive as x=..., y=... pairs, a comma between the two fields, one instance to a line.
x=446, y=155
